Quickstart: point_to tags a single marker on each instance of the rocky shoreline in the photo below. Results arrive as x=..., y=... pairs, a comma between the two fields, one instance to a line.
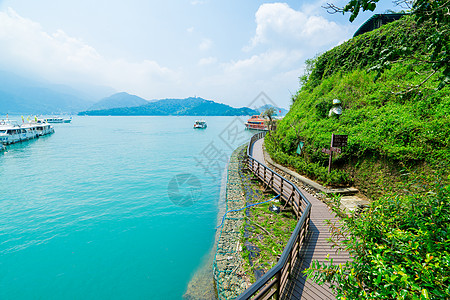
x=228, y=271
x=202, y=285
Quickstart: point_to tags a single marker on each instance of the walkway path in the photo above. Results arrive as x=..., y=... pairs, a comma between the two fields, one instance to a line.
x=317, y=246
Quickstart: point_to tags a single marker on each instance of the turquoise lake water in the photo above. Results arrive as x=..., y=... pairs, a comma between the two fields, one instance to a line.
x=85, y=213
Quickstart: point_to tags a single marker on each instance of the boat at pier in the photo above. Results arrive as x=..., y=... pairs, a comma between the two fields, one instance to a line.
x=42, y=127
x=11, y=132
x=256, y=123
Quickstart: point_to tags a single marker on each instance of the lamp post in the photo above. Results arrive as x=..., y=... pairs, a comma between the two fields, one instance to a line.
x=336, y=110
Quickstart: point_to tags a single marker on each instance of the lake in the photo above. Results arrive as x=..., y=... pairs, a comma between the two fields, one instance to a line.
x=112, y=207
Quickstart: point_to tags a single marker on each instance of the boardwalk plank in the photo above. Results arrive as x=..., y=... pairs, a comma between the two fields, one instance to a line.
x=316, y=248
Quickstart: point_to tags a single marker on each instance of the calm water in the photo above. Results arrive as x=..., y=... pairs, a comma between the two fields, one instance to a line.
x=85, y=212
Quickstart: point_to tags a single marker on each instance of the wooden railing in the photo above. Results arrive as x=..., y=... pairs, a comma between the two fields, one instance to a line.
x=274, y=282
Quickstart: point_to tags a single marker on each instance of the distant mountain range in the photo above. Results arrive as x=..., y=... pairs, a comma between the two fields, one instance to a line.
x=20, y=95
x=279, y=111
x=165, y=107
x=118, y=100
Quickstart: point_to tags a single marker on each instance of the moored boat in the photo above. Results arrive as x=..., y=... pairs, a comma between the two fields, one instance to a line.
x=11, y=132
x=57, y=120
x=256, y=123
x=54, y=120
x=200, y=124
x=42, y=127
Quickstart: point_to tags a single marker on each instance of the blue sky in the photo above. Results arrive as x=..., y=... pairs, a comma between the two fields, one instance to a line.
x=227, y=51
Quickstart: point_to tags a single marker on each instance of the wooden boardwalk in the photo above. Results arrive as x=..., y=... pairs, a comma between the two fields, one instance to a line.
x=317, y=247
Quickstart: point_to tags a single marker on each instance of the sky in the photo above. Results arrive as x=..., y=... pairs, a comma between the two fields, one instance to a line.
x=226, y=51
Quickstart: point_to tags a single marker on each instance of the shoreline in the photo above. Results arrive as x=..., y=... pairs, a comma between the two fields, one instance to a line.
x=202, y=285
x=228, y=272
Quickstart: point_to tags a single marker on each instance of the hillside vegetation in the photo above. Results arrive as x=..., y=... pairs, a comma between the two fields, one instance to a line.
x=396, y=124
x=398, y=154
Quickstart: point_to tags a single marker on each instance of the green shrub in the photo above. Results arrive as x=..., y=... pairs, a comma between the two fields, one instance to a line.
x=400, y=248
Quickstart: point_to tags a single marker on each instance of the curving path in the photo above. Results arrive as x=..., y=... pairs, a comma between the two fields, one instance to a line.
x=317, y=247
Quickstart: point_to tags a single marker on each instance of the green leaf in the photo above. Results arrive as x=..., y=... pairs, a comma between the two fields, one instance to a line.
x=425, y=294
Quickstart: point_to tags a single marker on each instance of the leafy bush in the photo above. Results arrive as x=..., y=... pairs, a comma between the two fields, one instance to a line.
x=312, y=170
x=400, y=248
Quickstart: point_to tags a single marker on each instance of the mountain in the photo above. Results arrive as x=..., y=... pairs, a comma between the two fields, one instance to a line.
x=278, y=110
x=177, y=107
x=20, y=95
x=118, y=100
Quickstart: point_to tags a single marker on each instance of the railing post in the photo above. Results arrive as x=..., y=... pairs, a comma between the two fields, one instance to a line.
x=271, y=284
x=278, y=286
x=264, y=175
x=281, y=187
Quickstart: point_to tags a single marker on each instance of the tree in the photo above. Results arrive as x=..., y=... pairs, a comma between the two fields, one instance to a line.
x=269, y=113
x=434, y=13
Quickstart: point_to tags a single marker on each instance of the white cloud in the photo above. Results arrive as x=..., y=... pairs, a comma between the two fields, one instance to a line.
x=207, y=61
x=205, y=45
x=27, y=47
x=274, y=72
x=265, y=62
x=278, y=25
x=283, y=39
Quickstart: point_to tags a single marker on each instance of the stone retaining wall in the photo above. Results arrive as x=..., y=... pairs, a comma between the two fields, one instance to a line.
x=229, y=274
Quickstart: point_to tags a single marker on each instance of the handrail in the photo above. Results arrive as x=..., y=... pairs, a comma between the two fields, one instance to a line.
x=273, y=283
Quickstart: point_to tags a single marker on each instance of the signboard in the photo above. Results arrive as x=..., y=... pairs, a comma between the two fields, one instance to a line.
x=300, y=147
x=339, y=140
x=327, y=151
x=337, y=150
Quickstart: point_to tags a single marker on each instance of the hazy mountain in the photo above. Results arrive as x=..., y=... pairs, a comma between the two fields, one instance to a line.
x=278, y=110
x=20, y=95
x=118, y=100
x=179, y=107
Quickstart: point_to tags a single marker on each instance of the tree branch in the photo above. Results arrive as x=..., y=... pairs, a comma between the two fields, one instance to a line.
x=332, y=9
x=416, y=86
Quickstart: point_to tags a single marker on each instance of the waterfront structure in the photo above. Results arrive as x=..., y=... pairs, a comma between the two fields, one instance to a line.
x=376, y=21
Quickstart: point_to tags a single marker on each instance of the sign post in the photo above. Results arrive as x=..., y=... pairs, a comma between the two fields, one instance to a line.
x=337, y=141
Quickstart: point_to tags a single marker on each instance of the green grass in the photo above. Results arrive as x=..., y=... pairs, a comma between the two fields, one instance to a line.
x=267, y=230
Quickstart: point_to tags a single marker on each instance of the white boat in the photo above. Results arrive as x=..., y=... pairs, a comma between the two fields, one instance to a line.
x=200, y=124
x=54, y=120
x=57, y=120
x=11, y=132
x=42, y=127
